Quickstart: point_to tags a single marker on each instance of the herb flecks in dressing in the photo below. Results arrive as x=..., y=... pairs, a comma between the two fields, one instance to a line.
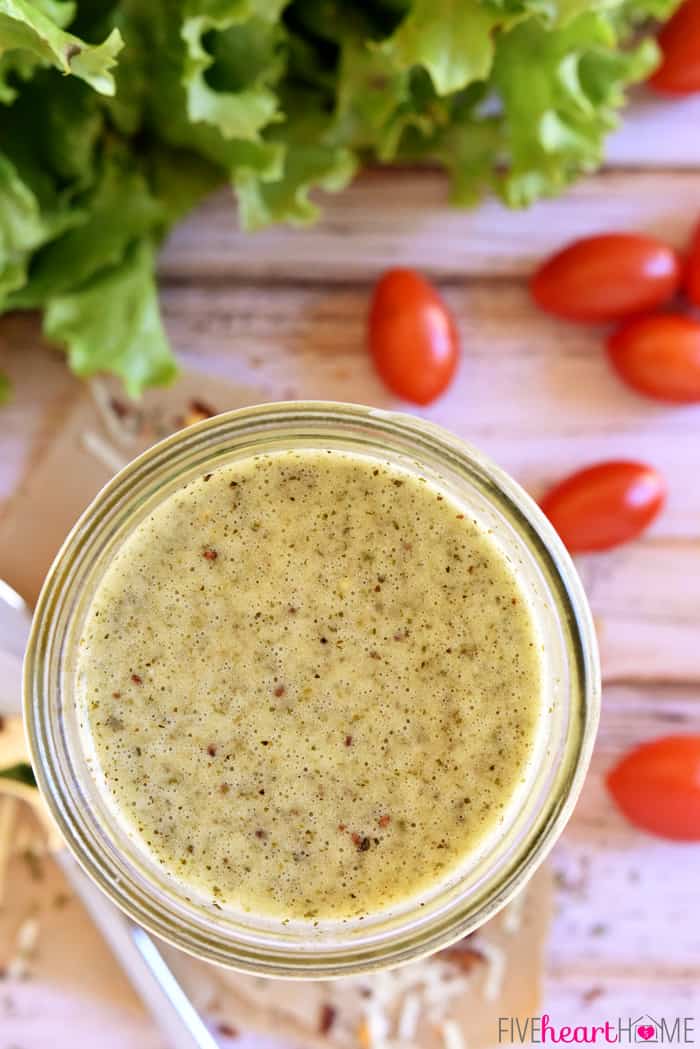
x=312, y=683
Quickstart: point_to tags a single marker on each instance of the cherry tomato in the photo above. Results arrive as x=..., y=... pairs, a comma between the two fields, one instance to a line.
x=604, y=505
x=412, y=336
x=607, y=277
x=692, y=270
x=657, y=786
x=679, y=40
x=659, y=356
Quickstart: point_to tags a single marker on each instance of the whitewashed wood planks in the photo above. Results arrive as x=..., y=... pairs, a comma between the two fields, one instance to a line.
x=388, y=219
x=625, y=920
x=657, y=132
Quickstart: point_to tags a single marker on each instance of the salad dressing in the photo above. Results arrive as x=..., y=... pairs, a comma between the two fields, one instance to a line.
x=311, y=685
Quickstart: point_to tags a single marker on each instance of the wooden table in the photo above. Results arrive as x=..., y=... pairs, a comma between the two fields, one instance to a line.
x=284, y=311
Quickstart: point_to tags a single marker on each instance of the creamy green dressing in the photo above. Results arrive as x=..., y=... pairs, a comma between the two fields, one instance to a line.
x=312, y=685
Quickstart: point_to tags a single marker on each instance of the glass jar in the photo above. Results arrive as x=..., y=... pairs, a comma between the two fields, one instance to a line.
x=453, y=908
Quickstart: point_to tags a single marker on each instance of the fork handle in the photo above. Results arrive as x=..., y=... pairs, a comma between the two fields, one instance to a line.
x=143, y=963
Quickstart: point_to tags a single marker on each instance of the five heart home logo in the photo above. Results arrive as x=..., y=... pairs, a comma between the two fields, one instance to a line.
x=641, y=1030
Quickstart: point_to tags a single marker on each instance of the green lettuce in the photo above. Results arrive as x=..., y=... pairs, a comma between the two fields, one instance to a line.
x=22, y=772
x=454, y=40
x=232, y=86
x=561, y=92
x=112, y=323
x=24, y=227
x=119, y=209
x=33, y=31
x=118, y=116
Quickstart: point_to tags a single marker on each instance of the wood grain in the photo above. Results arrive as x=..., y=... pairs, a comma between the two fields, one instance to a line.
x=623, y=894
x=658, y=132
x=388, y=219
x=536, y=394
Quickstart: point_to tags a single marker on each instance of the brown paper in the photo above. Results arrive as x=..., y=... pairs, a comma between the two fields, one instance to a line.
x=518, y=933
x=70, y=966
x=58, y=486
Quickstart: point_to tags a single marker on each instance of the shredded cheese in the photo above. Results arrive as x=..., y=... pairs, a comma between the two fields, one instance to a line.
x=513, y=913
x=378, y=1026
x=25, y=947
x=408, y=1018
x=103, y=451
x=452, y=1035
x=496, y=960
x=27, y=936
x=390, y=1005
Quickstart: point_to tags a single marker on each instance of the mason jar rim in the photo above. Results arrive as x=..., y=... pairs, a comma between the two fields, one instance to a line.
x=48, y=711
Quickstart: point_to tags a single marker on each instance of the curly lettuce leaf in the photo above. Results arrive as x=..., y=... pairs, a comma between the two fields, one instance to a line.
x=150, y=84
x=24, y=227
x=120, y=209
x=179, y=180
x=113, y=324
x=230, y=81
x=48, y=177
x=309, y=162
x=560, y=91
x=371, y=96
x=31, y=29
x=17, y=65
x=272, y=169
x=377, y=101
x=59, y=159
x=452, y=39
x=466, y=149
x=126, y=204
x=287, y=199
